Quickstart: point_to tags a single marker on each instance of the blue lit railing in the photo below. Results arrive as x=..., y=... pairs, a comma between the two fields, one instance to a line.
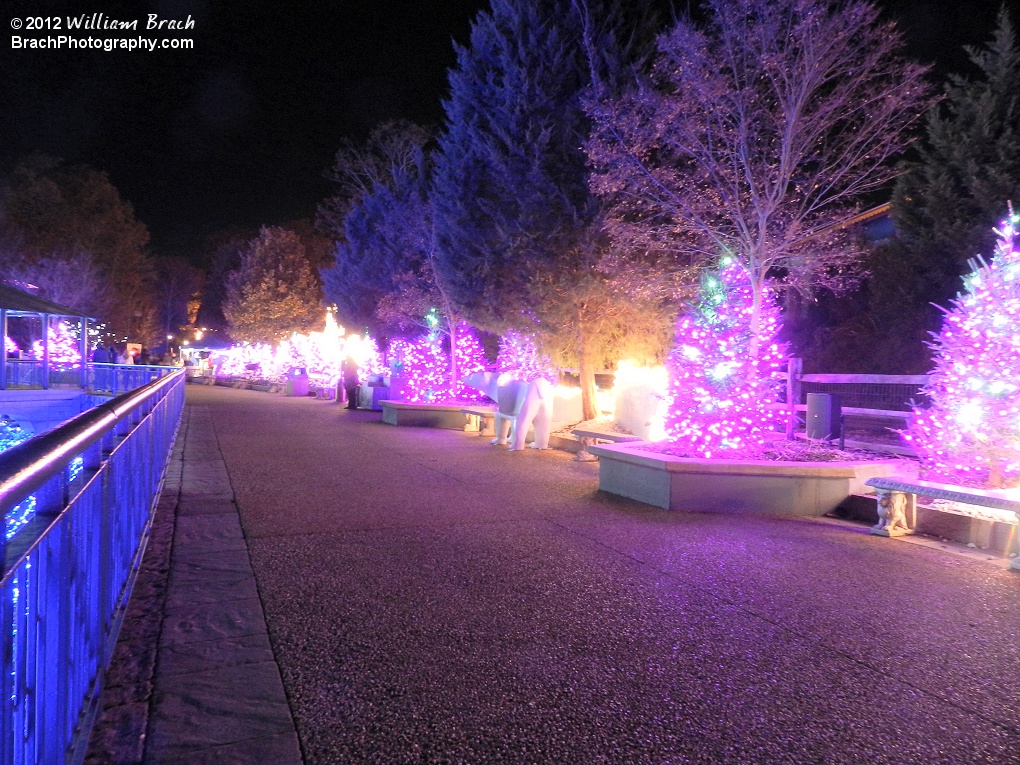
x=68, y=570
x=118, y=378
x=101, y=378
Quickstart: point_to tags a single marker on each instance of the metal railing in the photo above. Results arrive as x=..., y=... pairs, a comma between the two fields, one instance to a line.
x=118, y=378
x=100, y=378
x=869, y=399
x=67, y=572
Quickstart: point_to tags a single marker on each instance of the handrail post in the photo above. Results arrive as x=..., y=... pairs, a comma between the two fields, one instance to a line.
x=45, y=351
x=794, y=368
x=3, y=358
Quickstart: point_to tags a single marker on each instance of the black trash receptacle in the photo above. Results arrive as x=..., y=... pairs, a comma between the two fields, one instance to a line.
x=824, y=416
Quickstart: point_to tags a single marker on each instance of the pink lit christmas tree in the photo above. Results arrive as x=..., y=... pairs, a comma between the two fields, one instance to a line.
x=971, y=432
x=10, y=347
x=720, y=369
x=469, y=357
x=519, y=356
x=425, y=370
x=64, y=353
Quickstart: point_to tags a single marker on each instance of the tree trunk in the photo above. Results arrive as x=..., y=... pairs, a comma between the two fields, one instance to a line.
x=995, y=473
x=589, y=402
x=454, y=381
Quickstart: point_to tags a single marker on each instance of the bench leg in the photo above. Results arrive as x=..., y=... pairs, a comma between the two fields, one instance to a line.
x=583, y=455
x=892, y=513
x=486, y=426
x=471, y=426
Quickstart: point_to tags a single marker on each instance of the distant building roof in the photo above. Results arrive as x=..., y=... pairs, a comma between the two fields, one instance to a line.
x=20, y=303
x=875, y=223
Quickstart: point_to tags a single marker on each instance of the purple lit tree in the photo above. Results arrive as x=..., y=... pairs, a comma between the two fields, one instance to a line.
x=470, y=357
x=971, y=431
x=519, y=355
x=385, y=271
x=425, y=370
x=720, y=370
x=63, y=347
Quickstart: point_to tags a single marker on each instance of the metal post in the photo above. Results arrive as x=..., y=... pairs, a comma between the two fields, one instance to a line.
x=3, y=358
x=83, y=346
x=45, y=351
x=794, y=368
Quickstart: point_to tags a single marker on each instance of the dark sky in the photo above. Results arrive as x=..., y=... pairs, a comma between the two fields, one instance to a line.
x=239, y=129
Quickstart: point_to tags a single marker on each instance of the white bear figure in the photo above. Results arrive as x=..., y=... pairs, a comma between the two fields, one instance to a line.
x=489, y=384
x=486, y=382
x=520, y=406
x=536, y=409
x=510, y=399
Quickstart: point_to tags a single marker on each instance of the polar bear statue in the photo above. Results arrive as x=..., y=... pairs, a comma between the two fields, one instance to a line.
x=518, y=403
x=536, y=410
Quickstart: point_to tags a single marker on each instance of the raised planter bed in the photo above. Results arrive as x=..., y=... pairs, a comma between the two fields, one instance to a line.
x=423, y=415
x=734, y=486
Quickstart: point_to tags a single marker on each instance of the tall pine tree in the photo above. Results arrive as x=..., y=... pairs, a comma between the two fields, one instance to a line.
x=519, y=236
x=947, y=202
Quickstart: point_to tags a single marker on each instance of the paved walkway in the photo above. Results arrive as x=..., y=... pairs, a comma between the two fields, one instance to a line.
x=430, y=598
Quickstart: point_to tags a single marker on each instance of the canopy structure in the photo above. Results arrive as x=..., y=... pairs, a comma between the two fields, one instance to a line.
x=18, y=303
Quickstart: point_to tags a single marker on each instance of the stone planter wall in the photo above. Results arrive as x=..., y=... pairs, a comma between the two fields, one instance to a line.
x=700, y=485
x=423, y=415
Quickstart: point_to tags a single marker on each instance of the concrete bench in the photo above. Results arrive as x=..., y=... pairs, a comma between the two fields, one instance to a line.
x=591, y=437
x=325, y=392
x=897, y=500
x=480, y=419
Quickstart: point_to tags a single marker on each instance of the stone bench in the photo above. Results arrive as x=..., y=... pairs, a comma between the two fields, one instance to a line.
x=325, y=392
x=897, y=500
x=591, y=437
x=480, y=419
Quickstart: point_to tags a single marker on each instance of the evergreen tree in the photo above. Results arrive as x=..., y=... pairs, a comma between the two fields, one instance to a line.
x=63, y=348
x=384, y=276
x=424, y=366
x=386, y=273
x=274, y=292
x=944, y=207
x=719, y=391
x=519, y=236
x=519, y=356
x=946, y=204
x=469, y=357
x=971, y=431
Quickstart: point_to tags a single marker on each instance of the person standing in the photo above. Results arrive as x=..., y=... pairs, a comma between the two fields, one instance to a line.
x=351, y=382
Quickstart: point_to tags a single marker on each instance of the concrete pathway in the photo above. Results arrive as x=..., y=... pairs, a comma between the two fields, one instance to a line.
x=430, y=599
x=193, y=679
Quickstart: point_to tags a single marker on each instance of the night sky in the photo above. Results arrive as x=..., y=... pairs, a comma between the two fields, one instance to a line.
x=239, y=130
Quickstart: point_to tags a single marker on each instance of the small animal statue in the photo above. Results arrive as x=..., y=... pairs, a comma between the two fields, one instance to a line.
x=508, y=395
x=520, y=406
x=536, y=409
x=892, y=513
x=486, y=382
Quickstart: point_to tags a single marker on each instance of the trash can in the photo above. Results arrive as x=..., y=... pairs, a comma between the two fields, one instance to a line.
x=824, y=417
x=297, y=382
